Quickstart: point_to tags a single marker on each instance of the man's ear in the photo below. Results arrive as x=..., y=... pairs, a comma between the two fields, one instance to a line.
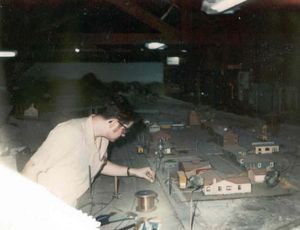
x=111, y=122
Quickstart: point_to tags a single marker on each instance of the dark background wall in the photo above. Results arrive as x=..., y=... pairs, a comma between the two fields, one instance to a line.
x=106, y=72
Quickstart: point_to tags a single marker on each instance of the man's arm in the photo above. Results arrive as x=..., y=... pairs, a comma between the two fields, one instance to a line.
x=112, y=169
x=31, y=171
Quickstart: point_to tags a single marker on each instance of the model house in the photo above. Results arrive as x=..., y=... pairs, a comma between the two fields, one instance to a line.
x=230, y=138
x=253, y=161
x=178, y=126
x=165, y=124
x=257, y=175
x=215, y=184
x=182, y=180
x=154, y=128
x=194, y=118
x=224, y=136
x=194, y=167
x=265, y=147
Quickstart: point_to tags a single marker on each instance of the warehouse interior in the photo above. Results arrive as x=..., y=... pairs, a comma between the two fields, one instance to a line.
x=215, y=83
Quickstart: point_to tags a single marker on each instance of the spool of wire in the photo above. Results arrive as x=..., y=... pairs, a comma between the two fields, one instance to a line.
x=146, y=200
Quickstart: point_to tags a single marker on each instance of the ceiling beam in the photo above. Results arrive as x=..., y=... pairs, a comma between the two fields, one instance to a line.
x=133, y=9
x=186, y=24
x=90, y=39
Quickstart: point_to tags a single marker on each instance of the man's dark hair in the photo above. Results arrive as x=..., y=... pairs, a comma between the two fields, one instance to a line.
x=120, y=108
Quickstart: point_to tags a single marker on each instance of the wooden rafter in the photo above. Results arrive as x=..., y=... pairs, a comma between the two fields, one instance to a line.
x=92, y=39
x=131, y=8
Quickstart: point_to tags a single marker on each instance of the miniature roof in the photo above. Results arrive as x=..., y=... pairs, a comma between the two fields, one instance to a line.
x=250, y=158
x=267, y=143
x=239, y=180
x=210, y=175
x=259, y=171
x=195, y=164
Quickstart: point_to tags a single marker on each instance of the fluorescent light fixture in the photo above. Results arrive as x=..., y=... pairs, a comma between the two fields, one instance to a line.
x=155, y=45
x=173, y=60
x=8, y=53
x=225, y=5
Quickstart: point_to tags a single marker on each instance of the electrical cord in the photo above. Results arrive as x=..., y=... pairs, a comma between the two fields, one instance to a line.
x=193, y=207
x=101, y=209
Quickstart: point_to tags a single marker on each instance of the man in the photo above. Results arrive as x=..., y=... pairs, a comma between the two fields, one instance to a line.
x=77, y=149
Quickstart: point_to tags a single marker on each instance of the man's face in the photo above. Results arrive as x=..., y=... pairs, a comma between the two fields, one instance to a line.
x=119, y=129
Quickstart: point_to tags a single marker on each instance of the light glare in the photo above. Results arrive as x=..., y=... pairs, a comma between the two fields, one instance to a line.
x=224, y=5
x=155, y=45
x=8, y=53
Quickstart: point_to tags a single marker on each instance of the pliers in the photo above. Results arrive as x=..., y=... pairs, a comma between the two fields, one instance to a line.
x=105, y=219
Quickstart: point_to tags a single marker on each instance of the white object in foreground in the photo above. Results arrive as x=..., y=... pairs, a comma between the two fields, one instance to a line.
x=27, y=205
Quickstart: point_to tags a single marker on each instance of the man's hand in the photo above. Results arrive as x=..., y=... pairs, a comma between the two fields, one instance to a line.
x=146, y=173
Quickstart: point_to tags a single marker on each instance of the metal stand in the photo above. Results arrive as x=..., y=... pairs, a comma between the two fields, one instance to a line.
x=117, y=194
x=160, y=154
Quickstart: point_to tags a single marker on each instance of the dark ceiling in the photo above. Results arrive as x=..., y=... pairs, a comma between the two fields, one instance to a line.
x=113, y=30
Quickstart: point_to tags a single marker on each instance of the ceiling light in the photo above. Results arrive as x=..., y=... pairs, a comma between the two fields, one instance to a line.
x=155, y=45
x=8, y=53
x=225, y=5
x=220, y=6
x=173, y=60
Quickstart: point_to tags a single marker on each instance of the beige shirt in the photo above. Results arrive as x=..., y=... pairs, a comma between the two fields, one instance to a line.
x=65, y=157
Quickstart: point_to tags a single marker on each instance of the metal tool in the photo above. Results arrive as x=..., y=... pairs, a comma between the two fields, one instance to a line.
x=104, y=219
x=112, y=218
